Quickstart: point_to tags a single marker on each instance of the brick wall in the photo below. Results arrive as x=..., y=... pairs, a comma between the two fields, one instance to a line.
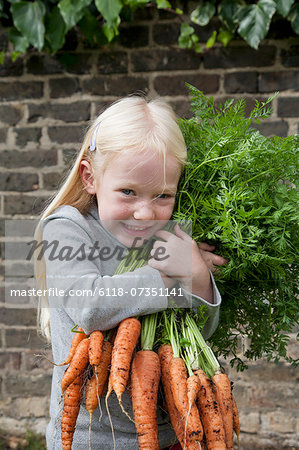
x=44, y=109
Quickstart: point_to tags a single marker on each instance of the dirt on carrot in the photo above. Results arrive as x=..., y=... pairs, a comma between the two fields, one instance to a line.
x=71, y=407
x=236, y=422
x=178, y=380
x=145, y=377
x=124, y=344
x=165, y=353
x=78, y=364
x=210, y=413
x=224, y=398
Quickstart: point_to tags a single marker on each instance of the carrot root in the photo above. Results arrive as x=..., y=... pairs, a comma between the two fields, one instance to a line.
x=125, y=342
x=224, y=399
x=95, y=347
x=145, y=378
x=72, y=400
x=236, y=422
x=78, y=337
x=166, y=354
x=210, y=413
x=77, y=366
x=178, y=380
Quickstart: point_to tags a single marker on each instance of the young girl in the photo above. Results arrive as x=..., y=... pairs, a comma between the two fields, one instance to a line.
x=120, y=192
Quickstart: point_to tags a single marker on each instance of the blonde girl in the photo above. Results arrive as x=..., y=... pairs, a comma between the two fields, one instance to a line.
x=120, y=192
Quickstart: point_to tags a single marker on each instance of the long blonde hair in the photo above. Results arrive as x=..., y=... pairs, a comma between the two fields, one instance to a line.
x=131, y=124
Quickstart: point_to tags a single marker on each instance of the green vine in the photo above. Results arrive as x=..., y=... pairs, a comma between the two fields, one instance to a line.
x=43, y=25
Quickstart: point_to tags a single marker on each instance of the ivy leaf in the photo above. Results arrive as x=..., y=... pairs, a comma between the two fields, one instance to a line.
x=109, y=9
x=29, y=20
x=255, y=21
x=163, y=4
x=111, y=29
x=185, y=38
x=203, y=14
x=134, y=4
x=283, y=6
x=14, y=56
x=227, y=11
x=211, y=40
x=294, y=18
x=19, y=41
x=55, y=29
x=2, y=57
x=90, y=28
x=224, y=36
x=72, y=11
x=186, y=30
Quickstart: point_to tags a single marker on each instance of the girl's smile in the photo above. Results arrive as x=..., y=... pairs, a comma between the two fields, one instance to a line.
x=136, y=195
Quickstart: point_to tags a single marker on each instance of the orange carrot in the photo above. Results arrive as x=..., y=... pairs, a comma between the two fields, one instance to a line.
x=95, y=347
x=178, y=380
x=145, y=378
x=95, y=385
x=125, y=342
x=72, y=400
x=236, y=422
x=78, y=364
x=166, y=354
x=210, y=413
x=102, y=369
x=91, y=395
x=224, y=398
x=192, y=389
x=78, y=337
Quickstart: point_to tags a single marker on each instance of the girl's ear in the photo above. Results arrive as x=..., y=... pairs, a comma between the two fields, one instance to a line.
x=87, y=177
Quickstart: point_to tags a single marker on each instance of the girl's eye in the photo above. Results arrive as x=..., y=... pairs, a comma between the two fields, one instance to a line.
x=127, y=191
x=163, y=196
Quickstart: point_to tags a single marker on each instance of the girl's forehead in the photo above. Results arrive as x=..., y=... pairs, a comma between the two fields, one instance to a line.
x=144, y=161
x=145, y=165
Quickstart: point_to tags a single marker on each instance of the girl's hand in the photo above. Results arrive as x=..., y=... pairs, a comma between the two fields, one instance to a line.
x=211, y=260
x=184, y=261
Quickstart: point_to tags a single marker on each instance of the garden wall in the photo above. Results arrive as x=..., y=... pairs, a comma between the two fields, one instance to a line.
x=45, y=105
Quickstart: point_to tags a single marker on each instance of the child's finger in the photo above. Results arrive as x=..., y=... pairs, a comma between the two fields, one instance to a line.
x=163, y=234
x=206, y=246
x=181, y=234
x=219, y=260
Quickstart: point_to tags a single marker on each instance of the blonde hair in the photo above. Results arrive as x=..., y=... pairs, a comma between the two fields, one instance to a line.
x=131, y=124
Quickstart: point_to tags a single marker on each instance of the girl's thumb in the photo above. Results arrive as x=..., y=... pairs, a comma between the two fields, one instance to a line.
x=180, y=233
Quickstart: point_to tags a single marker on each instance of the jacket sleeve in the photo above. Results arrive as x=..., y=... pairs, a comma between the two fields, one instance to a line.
x=91, y=299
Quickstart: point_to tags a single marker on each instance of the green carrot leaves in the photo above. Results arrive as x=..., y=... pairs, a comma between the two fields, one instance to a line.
x=240, y=191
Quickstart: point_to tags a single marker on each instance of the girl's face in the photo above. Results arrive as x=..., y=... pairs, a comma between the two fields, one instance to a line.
x=136, y=196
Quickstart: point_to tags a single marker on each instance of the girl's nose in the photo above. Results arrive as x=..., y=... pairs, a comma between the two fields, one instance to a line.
x=144, y=211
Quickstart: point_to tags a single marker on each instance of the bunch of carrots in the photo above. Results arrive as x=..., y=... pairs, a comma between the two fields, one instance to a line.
x=197, y=395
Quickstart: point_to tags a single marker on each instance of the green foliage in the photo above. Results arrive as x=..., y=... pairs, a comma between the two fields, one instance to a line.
x=31, y=441
x=248, y=20
x=29, y=21
x=239, y=190
x=255, y=21
x=44, y=24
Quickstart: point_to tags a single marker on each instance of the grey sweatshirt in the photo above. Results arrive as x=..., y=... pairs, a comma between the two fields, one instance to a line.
x=83, y=290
